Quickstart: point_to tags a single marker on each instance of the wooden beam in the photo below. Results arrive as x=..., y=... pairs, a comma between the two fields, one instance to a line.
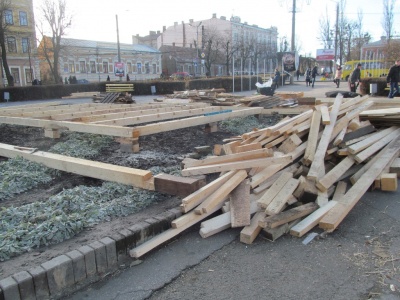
x=89, y=168
x=240, y=204
x=318, y=162
x=276, y=187
x=177, y=185
x=263, y=175
x=288, y=215
x=279, y=201
x=335, y=216
x=334, y=175
x=326, y=120
x=249, y=233
x=252, y=163
x=389, y=182
x=312, y=138
x=358, y=147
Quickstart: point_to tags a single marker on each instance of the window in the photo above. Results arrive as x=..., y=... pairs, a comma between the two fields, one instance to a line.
x=71, y=67
x=82, y=66
x=8, y=17
x=100, y=68
x=154, y=69
x=129, y=67
x=11, y=44
x=25, y=45
x=23, y=18
x=92, y=67
x=28, y=75
x=105, y=67
x=139, y=68
x=147, y=67
x=65, y=68
x=134, y=68
x=15, y=74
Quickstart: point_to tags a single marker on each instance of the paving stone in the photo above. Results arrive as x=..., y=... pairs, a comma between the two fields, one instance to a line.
x=60, y=274
x=139, y=231
x=90, y=260
x=111, y=253
x=10, y=289
x=101, y=257
x=120, y=246
x=129, y=238
x=40, y=282
x=78, y=264
x=176, y=211
x=25, y=284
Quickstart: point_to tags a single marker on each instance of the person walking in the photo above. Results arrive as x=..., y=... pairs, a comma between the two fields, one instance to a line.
x=308, y=76
x=298, y=74
x=314, y=74
x=393, y=79
x=355, y=76
x=338, y=76
x=277, y=76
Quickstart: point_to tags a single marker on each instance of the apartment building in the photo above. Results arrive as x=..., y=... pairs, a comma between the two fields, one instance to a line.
x=96, y=61
x=247, y=42
x=20, y=38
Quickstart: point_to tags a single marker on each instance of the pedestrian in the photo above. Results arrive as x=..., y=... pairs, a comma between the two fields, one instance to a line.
x=338, y=76
x=314, y=74
x=298, y=74
x=308, y=76
x=277, y=76
x=393, y=79
x=127, y=77
x=108, y=77
x=354, y=78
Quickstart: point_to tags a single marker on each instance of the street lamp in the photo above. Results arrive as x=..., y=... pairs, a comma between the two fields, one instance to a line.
x=197, y=39
x=118, y=46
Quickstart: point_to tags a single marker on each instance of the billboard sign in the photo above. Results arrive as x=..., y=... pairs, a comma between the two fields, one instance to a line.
x=289, y=61
x=119, y=69
x=325, y=54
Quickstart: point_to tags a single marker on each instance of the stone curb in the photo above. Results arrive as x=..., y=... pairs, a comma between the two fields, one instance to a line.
x=76, y=269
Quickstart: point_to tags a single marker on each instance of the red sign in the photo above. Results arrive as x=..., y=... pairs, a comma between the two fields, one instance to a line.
x=119, y=69
x=325, y=54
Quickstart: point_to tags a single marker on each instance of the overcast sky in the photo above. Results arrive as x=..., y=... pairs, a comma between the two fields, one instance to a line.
x=95, y=19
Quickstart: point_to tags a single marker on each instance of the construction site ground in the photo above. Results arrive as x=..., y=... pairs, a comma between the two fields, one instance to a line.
x=355, y=262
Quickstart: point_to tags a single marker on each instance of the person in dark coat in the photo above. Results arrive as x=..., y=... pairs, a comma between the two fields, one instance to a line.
x=355, y=78
x=308, y=76
x=393, y=79
x=277, y=76
x=108, y=78
x=314, y=74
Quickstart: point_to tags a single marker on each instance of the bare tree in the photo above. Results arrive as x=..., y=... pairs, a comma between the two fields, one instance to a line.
x=56, y=18
x=388, y=17
x=325, y=29
x=5, y=7
x=212, y=49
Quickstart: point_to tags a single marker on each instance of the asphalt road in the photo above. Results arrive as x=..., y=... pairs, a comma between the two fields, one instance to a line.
x=360, y=260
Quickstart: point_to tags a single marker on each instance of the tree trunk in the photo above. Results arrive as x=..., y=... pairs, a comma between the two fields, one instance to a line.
x=9, y=77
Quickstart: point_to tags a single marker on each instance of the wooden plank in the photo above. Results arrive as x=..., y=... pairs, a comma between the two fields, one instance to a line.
x=363, y=131
x=268, y=182
x=263, y=175
x=167, y=235
x=255, y=154
x=229, y=147
x=177, y=185
x=240, y=204
x=333, y=175
x=318, y=162
x=273, y=234
x=311, y=220
x=312, y=138
x=389, y=182
x=326, y=120
x=336, y=215
x=290, y=144
x=340, y=190
x=248, y=147
x=252, y=163
x=363, y=155
x=221, y=222
x=249, y=233
x=279, y=201
x=288, y=215
x=194, y=121
x=358, y=147
x=395, y=167
x=340, y=136
x=219, y=195
x=194, y=199
x=89, y=168
x=276, y=187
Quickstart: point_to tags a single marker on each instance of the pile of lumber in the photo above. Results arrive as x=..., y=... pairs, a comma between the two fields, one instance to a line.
x=117, y=97
x=306, y=171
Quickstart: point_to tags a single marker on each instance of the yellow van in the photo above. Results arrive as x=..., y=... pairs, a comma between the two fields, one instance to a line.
x=370, y=68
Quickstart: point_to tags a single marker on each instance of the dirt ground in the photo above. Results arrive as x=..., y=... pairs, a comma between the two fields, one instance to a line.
x=170, y=148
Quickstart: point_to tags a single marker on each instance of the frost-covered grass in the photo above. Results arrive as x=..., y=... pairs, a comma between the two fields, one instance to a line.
x=240, y=125
x=66, y=214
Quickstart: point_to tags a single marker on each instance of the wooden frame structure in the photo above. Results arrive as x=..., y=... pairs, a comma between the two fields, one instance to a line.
x=113, y=119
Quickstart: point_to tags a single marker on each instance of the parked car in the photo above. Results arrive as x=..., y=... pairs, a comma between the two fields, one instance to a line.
x=180, y=75
x=82, y=81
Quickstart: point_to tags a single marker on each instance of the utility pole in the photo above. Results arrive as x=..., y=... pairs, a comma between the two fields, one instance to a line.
x=118, y=46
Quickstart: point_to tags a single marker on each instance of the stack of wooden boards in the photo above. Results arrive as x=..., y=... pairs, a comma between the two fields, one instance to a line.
x=290, y=177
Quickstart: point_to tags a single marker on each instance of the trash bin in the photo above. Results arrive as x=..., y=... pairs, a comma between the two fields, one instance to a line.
x=266, y=91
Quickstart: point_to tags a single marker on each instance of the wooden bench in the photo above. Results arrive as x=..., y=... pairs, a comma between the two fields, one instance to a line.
x=119, y=87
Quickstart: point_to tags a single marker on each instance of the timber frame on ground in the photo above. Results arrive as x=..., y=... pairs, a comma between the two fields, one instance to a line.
x=114, y=119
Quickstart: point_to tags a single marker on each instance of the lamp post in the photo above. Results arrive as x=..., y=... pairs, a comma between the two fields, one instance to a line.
x=118, y=46
x=197, y=40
